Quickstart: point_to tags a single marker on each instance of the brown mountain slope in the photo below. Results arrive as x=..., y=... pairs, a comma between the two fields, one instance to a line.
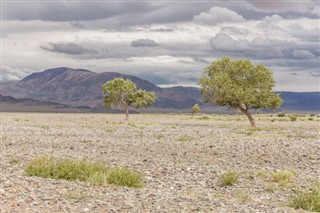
x=78, y=87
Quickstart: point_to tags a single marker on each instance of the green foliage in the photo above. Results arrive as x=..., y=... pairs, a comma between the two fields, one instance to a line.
x=229, y=178
x=293, y=118
x=307, y=200
x=240, y=85
x=124, y=177
x=281, y=114
x=124, y=92
x=282, y=177
x=195, y=109
x=94, y=173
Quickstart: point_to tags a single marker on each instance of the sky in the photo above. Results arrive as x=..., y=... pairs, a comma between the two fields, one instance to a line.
x=169, y=43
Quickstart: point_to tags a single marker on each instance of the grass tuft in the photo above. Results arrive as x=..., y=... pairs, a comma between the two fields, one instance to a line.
x=185, y=138
x=94, y=173
x=282, y=177
x=229, y=178
x=309, y=201
x=76, y=195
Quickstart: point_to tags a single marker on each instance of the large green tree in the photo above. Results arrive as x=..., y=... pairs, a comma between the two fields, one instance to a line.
x=239, y=84
x=125, y=93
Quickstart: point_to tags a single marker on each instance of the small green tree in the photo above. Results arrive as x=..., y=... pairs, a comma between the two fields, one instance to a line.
x=195, y=109
x=124, y=92
x=240, y=85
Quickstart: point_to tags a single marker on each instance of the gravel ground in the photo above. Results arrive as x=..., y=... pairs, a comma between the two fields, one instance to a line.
x=181, y=159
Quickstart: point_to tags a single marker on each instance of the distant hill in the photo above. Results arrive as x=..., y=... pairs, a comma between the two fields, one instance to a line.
x=11, y=104
x=79, y=87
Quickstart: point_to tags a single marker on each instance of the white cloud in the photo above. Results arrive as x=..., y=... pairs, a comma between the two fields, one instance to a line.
x=218, y=15
x=190, y=36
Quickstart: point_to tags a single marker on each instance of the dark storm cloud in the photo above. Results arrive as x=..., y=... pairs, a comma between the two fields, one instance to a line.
x=77, y=24
x=259, y=47
x=262, y=47
x=144, y=43
x=307, y=7
x=115, y=14
x=72, y=11
x=68, y=48
x=162, y=30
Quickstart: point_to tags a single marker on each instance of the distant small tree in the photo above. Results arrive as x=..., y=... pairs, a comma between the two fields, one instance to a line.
x=124, y=92
x=195, y=109
x=240, y=85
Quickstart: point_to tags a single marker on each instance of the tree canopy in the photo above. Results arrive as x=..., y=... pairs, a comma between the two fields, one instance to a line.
x=125, y=93
x=239, y=84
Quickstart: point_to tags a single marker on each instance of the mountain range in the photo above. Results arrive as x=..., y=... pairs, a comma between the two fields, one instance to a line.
x=76, y=88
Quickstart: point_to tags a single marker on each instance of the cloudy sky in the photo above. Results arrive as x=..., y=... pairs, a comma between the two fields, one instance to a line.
x=165, y=42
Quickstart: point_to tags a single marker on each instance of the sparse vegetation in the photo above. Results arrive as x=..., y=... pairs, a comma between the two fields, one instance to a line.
x=76, y=195
x=185, y=138
x=307, y=200
x=94, y=173
x=15, y=160
x=229, y=178
x=160, y=136
x=195, y=109
x=281, y=114
x=172, y=150
x=242, y=196
x=282, y=177
x=293, y=118
x=204, y=118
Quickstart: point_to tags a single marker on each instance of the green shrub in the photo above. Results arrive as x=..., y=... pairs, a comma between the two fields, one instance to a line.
x=281, y=114
x=94, y=173
x=293, y=118
x=124, y=177
x=229, y=178
x=310, y=119
x=185, y=138
x=312, y=115
x=282, y=177
x=309, y=201
x=204, y=118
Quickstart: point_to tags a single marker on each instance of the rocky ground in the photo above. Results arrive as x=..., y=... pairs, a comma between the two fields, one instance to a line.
x=181, y=158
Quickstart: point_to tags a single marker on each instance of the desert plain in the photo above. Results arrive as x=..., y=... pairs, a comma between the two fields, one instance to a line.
x=182, y=159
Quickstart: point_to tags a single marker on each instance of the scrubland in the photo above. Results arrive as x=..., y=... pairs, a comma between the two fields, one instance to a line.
x=204, y=163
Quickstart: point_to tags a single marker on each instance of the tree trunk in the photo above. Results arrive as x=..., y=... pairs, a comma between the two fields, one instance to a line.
x=127, y=113
x=248, y=114
x=126, y=109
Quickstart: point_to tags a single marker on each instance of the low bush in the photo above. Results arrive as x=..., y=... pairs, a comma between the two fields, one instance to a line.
x=229, y=178
x=282, y=177
x=309, y=201
x=293, y=118
x=281, y=114
x=94, y=173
